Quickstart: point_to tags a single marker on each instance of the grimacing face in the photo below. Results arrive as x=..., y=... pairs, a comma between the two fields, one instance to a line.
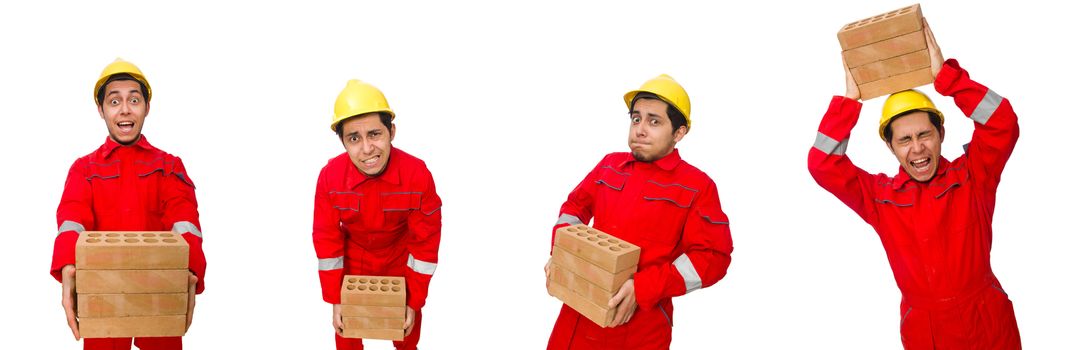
x=916, y=143
x=651, y=134
x=368, y=142
x=123, y=110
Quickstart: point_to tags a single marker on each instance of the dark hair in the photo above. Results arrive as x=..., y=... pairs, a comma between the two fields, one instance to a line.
x=676, y=117
x=118, y=77
x=935, y=120
x=386, y=118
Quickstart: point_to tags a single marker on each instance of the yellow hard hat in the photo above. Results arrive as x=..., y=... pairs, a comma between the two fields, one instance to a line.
x=358, y=98
x=903, y=102
x=667, y=89
x=119, y=67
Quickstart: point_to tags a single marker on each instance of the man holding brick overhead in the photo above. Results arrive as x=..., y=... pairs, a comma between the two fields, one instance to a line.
x=125, y=185
x=376, y=210
x=654, y=199
x=934, y=216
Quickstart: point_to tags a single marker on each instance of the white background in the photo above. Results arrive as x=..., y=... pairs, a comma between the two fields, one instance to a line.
x=510, y=105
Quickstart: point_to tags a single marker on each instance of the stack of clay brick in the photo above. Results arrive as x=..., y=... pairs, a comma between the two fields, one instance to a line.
x=887, y=53
x=373, y=307
x=588, y=267
x=132, y=284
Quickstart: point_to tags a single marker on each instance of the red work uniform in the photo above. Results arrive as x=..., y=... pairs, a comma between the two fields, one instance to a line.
x=386, y=225
x=671, y=210
x=128, y=188
x=936, y=234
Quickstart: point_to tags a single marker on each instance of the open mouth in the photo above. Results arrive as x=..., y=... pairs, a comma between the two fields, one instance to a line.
x=125, y=127
x=921, y=165
x=372, y=161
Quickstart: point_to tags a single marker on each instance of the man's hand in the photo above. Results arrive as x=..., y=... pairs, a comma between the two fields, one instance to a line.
x=192, y=300
x=936, y=59
x=69, y=302
x=624, y=303
x=338, y=326
x=852, y=90
x=409, y=320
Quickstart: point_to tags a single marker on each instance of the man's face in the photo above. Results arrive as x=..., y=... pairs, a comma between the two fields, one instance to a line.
x=917, y=144
x=123, y=110
x=368, y=142
x=651, y=135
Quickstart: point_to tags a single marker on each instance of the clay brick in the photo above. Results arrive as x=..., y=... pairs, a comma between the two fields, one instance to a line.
x=893, y=47
x=373, y=291
x=891, y=67
x=597, y=314
x=123, y=305
x=582, y=287
x=131, y=281
x=131, y=251
x=599, y=248
x=138, y=326
x=896, y=83
x=373, y=323
x=589, y=271
x=373, y=311
x=384, y=334
x=881, y=27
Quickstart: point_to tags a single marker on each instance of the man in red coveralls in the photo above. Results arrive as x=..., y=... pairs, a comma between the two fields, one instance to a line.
x=934, y=216
x=376, y=210
x=654, y=199
x=126, y=185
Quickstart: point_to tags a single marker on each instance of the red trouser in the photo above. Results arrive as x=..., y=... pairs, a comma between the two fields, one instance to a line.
x=647, y=330
x=988, y=322
x=160, y=343
x=410, y=342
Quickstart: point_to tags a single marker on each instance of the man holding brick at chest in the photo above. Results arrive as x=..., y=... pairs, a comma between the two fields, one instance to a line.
x=652, y=198
x=376, y=210
x=934, y=216
x=126, y=185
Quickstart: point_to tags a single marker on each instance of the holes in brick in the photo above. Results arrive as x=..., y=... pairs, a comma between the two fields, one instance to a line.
x=624, y=246
x=604, y=244
x=362, y=288
x=373, y=281
x=132, y=240
x=94, y=235
x=362, y=280
x=613, y=241
x=350, y=287
x=112, y=235
x=129, y=235
x=166, y=235
x=592, y=239
x=92, y=240
x=395, y=282
x=149, y=235
x=170, y=240
x=572, y=229
x=602, y=236
x=615, y=249
x=396, y=289
x=112, y=240
x=583, y=234
x=374, y=288
x=151, y=240
x=905, y=10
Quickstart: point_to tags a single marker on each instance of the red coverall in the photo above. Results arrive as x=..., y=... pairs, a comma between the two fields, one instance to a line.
x=937, y=234
x=387, y=225
x=128, y=188
x=671, y=210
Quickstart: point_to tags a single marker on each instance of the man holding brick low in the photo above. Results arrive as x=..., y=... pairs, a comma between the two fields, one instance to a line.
x=376, y=210
x=934, y=216
x=126, y=185
x=652, y=198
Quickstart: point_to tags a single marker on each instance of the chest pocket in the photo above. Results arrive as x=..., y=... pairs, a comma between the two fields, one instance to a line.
x=611, y=178
x=902, y=198
x=954, y=178
x=104, y=180
x=347, y=205
x=401, y=201
x=676, y=194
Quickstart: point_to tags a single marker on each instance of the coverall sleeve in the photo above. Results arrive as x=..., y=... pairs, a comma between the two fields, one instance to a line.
x=832, y=169
x=706, y=246
x=74, y=215
x=178, y=196
x=578, y=209
x=996, y=127
x=329, y=243
x=424, y=238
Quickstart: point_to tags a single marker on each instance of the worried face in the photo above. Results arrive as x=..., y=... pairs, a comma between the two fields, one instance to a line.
x=916, y=143
x=651, y=134
x=368, y=142
x=123, y=110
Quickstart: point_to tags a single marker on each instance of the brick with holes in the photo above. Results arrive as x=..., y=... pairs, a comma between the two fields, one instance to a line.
x=881, y=27
x=598, y=247
x=373, y=307
x=131, y=251
x=887, y=53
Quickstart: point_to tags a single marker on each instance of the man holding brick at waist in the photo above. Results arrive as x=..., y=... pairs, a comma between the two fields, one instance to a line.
x=934, y=216
x=126, y=185
x=654, y=199
x=376, y=210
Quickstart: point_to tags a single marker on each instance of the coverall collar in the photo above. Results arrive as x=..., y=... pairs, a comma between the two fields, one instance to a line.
x=110, y=146
x=668, y=162
x=903, y=178
x=353, y=177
